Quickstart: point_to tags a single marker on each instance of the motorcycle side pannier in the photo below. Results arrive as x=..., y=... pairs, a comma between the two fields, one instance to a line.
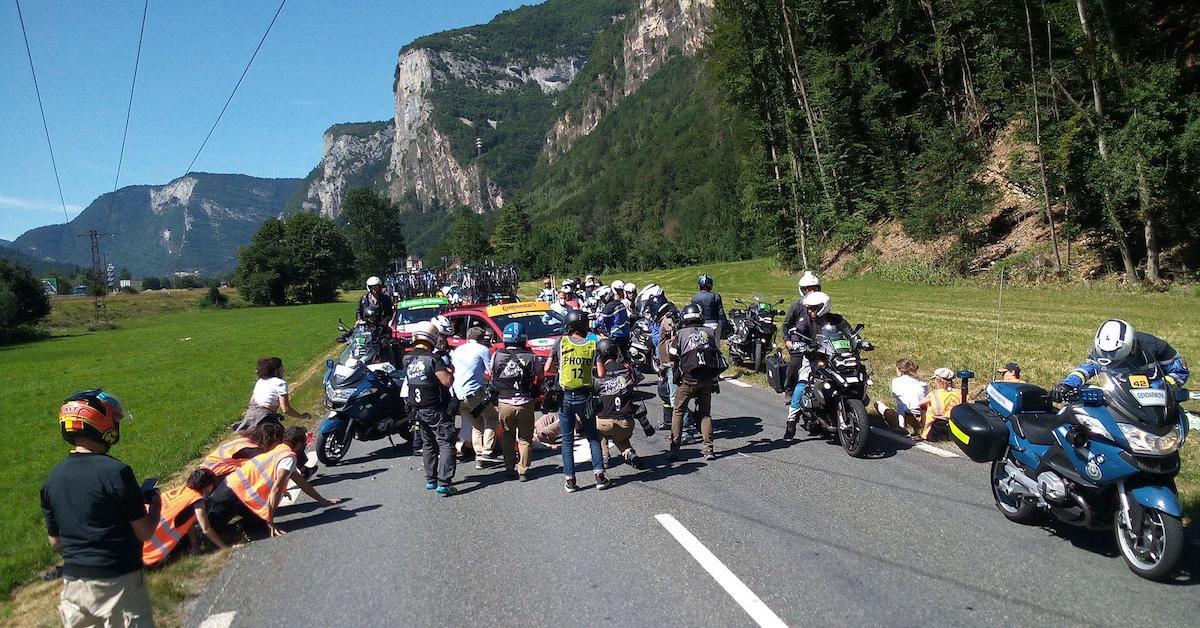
x=978, y=431
x=776, y=371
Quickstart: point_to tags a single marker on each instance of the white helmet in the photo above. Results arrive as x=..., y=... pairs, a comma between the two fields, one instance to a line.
x=808, y=280
x=1114, y=341
x=442, y=325
x=373, y=281
x=819, y=300
x=651, y=291
x=629, y=287
x=618, y=285
x=603, y=293
x=426, y=332
x=567, y=289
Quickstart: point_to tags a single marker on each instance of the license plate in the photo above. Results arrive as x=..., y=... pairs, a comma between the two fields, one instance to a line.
x=851, y=380
x=1139, y=381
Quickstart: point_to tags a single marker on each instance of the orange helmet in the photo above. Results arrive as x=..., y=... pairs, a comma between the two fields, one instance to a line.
x=91, y=413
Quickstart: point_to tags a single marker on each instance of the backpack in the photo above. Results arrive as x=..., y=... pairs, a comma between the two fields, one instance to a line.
x=699, y=356
x=513, y=373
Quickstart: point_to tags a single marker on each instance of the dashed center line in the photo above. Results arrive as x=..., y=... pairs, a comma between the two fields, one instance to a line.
x=751, y=603
x=219, y=620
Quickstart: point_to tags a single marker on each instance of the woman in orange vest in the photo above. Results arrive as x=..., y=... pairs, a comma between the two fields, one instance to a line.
x=182, y=508
x=230, y=455
x=253, y=491
x=941, y=399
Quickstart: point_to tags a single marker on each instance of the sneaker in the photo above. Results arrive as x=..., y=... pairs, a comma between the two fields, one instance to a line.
x=635, y=462
x=664, y=427
x=446, y=491
x=790, y=431
x=429, y=486
x=602, y=482
x=690, y=439
x=570, y=486
x=521, y=477
x=478, y=464
x=710, y=456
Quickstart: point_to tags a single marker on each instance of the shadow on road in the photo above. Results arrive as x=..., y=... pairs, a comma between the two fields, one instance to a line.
x=349, y=475
x=383, y=453
x=1102, y=543
x=330, y=515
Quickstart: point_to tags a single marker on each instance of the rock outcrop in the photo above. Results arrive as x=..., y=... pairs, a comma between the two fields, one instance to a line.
x=351, y=154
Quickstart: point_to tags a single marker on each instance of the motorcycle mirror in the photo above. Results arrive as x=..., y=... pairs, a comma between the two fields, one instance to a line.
x=328, y=364
x=859, y=327
x=739, y=301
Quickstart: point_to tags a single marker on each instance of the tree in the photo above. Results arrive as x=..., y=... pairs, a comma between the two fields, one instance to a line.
x=300, y=260
x=263, y=270
x=511, y=233
x=22, y=299
x=374, y=231
x=466, y=242
x=151, y=283
x=125, y=274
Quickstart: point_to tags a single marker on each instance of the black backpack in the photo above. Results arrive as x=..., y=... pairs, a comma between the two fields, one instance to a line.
x=514, y=373
x=699, y=355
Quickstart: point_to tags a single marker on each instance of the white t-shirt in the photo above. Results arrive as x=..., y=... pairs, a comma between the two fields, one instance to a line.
x=267, y=392
x=908, y=392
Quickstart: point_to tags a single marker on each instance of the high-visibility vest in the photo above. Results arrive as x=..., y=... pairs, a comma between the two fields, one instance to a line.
x=575, y=367
x=221, y=461
x=941, y=402
x=167, y=534
x=252, y=482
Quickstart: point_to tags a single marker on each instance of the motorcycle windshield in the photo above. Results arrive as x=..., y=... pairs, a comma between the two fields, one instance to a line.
x=1137, y=395
x=832, y=341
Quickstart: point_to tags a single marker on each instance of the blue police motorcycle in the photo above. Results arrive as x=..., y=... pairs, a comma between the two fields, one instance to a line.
x=1106, y=460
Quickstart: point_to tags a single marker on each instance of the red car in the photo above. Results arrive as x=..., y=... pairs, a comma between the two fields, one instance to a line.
x=543, y=325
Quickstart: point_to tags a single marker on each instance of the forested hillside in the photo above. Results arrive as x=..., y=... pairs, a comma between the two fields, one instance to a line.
x=865, y=110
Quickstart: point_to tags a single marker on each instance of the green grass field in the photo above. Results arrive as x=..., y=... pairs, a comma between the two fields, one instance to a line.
x=185, y=376
x=1047, y=330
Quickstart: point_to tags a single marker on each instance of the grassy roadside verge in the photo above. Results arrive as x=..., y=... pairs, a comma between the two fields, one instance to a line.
x=1045, y=329
x=185, y=375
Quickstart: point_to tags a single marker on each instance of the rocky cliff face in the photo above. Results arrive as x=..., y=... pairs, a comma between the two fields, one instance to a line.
x=352, y=155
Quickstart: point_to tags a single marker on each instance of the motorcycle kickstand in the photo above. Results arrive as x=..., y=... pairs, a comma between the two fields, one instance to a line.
x=391, y=441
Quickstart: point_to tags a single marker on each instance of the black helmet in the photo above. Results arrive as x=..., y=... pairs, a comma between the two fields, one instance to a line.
x=608, y=349
x=705, y=281
x=576, y=321
x=370, y=313
x=691, y=315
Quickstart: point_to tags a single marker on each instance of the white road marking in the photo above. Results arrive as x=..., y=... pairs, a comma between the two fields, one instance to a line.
x=739, y=383
x=220, y=620
x=904, y=440
x=733, y=585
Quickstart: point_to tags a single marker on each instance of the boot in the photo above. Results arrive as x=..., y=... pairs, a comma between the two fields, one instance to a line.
x=789, y=432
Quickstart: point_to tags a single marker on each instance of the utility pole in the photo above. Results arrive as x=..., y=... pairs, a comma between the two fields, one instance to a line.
x=98, y=273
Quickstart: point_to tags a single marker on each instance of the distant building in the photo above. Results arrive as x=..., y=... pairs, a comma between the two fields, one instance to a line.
x=413, y=263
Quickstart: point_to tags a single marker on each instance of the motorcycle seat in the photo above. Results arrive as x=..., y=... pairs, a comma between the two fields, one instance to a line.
x=1037, y=427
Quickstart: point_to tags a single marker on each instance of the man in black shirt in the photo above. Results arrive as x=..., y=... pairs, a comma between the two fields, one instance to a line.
x=428, y=381
x=712, y=309
x=96, y=517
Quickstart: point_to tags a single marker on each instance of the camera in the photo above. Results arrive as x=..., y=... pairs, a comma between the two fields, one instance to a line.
x=640, y=415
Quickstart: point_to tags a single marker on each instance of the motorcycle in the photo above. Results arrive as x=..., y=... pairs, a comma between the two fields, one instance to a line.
x=640, y=342
x=362, y=393
x=1106, y=460
x=753, y=335
x=836, y=396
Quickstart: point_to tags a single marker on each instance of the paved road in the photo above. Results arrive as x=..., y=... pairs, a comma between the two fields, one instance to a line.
x=902, y=538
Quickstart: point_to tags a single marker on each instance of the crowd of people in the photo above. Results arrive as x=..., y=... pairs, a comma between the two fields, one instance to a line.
x=108, y=528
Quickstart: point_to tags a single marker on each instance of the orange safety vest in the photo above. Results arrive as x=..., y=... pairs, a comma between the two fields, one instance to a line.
x=221, y=461
x=167, y=535
x=942, y=401
x=252, y=482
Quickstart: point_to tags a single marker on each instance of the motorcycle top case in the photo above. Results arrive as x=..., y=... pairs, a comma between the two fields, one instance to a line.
x=979, y=431
x=1014, y=397
x=776, y=371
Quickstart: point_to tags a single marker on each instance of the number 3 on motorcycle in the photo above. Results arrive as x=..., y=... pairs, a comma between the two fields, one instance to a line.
x=1138, y=381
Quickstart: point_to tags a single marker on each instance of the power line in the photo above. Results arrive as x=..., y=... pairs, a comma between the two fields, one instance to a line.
x=183, y=240
x=128, y=111
x=42, y=110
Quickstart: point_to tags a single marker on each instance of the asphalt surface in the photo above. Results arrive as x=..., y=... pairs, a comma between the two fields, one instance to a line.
x=900, y=538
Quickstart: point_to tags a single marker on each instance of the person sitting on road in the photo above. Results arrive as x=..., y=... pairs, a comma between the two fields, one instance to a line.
x=252, y=493
x=696, y=356
x=712, y=309
x=517, y=377
x=428, y=380
x=1010, y=373
x=940, y=401
x=613, y=320
x=574, y=358
x=270, y=397
x=375, y=298
x=907, y=391
x=818, y=313
x=547, y=431
x=1118, y=345
x=615, y=390
x=472, y=367
x=182, y=509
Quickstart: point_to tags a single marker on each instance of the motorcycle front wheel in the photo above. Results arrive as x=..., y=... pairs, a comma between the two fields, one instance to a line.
x=854, y=427
x=332, y=446
x=758, y=357
x=1153, y=553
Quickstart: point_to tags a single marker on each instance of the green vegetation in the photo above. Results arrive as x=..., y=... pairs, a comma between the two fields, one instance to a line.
x=1048, y=331
x=298, y=260
x=871, y=109
x=358, y=129
x=22, y=300
x=186, y=377
x=373, y=228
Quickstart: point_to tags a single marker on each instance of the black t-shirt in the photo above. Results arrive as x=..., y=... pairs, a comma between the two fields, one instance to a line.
x=89, y=501
x=616, y=389
x=424, y=389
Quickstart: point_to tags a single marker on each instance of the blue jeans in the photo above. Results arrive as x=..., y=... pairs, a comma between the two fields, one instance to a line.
x=577, y=406
x=798, y=394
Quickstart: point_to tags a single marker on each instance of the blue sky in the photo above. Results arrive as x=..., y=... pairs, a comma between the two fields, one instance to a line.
x=324, y=62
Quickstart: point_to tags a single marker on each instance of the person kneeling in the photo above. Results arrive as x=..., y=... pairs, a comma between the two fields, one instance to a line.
x=617, y=409
x=182, y=509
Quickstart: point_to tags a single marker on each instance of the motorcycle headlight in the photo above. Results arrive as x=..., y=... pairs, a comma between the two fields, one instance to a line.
x=1143, y=442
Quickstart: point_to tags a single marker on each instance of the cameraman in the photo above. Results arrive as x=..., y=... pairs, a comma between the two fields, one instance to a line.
x=617, y=410
x=472, y=366
x=97, y=518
